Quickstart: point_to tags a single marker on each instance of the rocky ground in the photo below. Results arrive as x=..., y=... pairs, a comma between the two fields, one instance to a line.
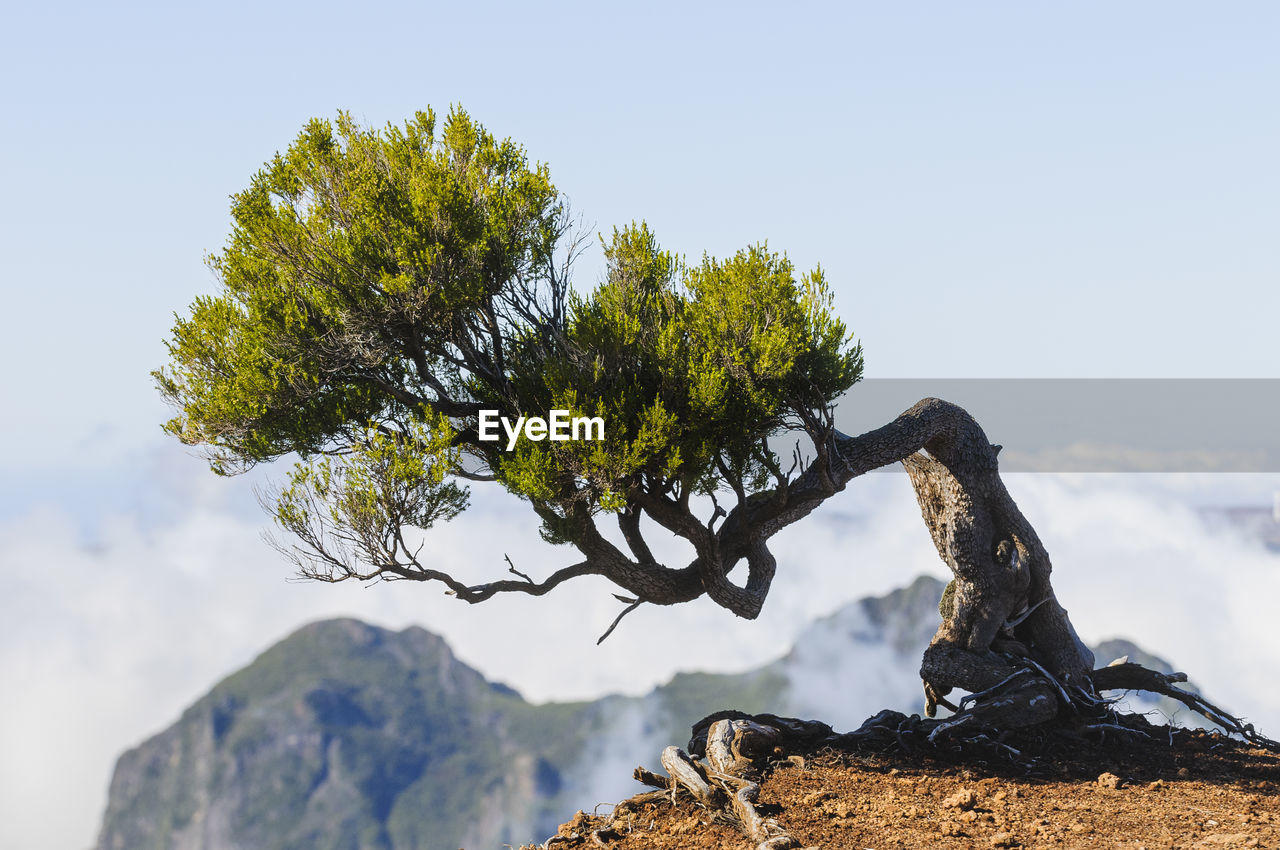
x=1189, y=790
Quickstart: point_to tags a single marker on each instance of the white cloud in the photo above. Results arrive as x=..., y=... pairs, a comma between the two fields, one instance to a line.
x=1146, y=567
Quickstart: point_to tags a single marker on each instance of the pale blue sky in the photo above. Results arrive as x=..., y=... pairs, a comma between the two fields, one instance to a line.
x=996, y=189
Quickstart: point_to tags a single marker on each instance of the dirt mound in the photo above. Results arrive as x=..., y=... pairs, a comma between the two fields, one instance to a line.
x=1181, y=789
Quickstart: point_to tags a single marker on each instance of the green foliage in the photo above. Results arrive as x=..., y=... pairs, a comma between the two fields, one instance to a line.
x=692, y=369
x=361, y=501
x=379, y=288
x=357, y=263
x=947, y=605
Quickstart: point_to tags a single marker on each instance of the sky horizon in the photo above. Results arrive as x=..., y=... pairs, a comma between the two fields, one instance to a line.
x=994, y=190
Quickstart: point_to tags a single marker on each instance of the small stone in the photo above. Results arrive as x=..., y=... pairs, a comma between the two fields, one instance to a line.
x=1155, y=786
x=1183, y=773
x=817, y=797
x=1229, y=839
x=686, y=826
x=962, y=799
x=1003, y=839
x=1109, y=780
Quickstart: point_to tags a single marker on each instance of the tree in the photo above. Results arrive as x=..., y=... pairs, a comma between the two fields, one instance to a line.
x=382, y=290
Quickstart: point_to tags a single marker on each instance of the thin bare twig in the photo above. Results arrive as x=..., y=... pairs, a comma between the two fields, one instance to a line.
x=625, y=611
x=511, y=568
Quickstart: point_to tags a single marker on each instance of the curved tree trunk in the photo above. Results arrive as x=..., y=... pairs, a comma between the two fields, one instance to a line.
x=1000, y=614
x=1001, y=602
x=1002, y=597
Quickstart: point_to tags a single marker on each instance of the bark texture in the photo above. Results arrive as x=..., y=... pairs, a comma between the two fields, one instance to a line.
x=1000, y=607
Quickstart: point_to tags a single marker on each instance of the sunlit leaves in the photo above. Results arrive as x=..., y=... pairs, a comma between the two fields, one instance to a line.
x=692, y=367
x=358, y=263
x=360, y=504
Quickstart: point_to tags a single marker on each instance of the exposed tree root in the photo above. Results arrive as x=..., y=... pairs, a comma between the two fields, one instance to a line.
x=727, y=785
x=1135, y=677
x=729, y=751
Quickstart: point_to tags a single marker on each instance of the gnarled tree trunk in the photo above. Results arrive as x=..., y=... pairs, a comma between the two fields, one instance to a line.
x=1000, y=605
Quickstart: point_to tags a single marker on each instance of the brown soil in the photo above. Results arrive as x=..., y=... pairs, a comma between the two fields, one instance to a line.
x=1197, y=791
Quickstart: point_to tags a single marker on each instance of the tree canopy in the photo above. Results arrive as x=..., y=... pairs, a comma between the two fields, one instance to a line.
x=380, y=289
x=387, y=295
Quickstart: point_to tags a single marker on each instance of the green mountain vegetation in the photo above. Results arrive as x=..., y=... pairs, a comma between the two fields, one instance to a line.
x=346, y=735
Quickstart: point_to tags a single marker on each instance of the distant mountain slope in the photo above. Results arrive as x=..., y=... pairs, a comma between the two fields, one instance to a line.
x=345, y=736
